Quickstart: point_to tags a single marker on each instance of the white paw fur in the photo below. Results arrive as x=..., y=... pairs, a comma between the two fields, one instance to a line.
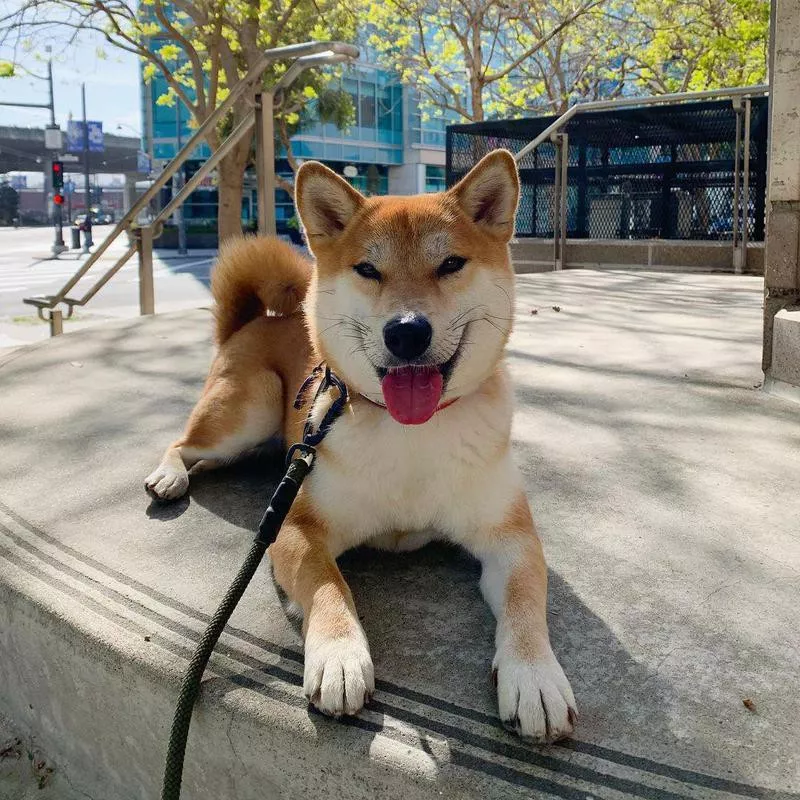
x=167, y=482
x=339, y=677
x=534, y=697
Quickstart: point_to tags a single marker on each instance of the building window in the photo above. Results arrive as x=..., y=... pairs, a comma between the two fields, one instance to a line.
x=430, y=132
x=377, y=99
x=434, y=179
x=367, y=117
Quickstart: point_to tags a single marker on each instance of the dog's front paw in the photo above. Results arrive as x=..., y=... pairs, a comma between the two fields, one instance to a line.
x=534, y=697
x=167, y=482
x=339, y=677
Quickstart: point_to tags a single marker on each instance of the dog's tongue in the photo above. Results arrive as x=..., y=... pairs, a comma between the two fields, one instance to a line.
x=412, y=394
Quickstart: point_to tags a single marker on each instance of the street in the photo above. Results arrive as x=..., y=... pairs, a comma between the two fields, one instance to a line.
x=27, y=268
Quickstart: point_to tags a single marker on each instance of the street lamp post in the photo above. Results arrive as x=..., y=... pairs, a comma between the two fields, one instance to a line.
x=87, y=233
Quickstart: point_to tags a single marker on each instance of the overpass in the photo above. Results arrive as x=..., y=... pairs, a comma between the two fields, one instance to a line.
x=22, y=149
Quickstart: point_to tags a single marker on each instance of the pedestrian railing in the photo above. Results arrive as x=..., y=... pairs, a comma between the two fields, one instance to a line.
x=309, y=54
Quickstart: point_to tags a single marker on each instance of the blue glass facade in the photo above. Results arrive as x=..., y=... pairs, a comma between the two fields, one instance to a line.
x=386, y=149
x=376, y=137
x=425, y=129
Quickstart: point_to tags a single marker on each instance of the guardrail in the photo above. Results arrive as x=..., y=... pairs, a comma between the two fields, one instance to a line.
x=304, y=56
x=740, y=96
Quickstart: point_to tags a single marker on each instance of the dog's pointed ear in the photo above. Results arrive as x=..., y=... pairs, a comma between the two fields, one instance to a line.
x=489, y=193
x=325, y=202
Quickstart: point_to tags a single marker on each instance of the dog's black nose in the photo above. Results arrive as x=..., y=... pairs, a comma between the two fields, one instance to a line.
x=408, y=336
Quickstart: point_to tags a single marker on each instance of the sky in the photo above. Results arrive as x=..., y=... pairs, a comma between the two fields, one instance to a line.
x=112, y=87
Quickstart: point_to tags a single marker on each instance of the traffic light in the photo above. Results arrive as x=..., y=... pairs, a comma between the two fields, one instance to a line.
x=58, y=199
x=58, y=177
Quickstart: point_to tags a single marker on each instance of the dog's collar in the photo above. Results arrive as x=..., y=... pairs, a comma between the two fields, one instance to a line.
x=383, y=405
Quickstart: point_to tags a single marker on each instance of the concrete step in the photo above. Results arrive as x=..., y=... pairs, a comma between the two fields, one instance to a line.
x=697, y=269
x=652, y=464
x=784, y=375
x=682, y=256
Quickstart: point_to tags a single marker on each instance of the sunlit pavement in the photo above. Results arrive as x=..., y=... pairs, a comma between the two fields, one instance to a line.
x=28, y=268
x=663, y=481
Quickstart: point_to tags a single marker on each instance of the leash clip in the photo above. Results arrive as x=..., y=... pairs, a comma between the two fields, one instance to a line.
x=306, y=452
x=300, y=400
x=329, y=380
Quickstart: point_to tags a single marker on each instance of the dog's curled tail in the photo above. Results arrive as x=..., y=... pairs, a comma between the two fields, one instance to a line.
x=253, y=275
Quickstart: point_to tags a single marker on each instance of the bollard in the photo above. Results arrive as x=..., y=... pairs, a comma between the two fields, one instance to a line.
x=56, y=320
x=144, y=246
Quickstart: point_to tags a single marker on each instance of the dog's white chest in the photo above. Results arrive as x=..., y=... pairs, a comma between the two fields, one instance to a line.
x=375, y=476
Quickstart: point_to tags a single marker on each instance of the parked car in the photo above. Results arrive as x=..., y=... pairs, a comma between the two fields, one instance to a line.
x=98, y=218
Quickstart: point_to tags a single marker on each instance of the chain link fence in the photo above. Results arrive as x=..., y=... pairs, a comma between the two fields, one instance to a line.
x=657, y=172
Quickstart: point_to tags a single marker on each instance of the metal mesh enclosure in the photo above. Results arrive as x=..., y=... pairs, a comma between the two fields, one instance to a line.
x=652, y=172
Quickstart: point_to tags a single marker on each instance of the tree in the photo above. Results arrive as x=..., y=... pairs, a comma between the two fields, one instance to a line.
x=585, y=60
x=200, y=48
x=691, y=45
x=471, y=57
x=475, y=59
x=9, y=202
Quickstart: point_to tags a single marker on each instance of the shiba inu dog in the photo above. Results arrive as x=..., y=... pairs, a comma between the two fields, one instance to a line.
x=410, y=302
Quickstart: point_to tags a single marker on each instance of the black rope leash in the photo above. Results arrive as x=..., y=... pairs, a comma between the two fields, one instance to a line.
x=300, y=460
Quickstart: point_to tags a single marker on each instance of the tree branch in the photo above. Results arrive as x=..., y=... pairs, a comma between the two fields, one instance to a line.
x=543, y=41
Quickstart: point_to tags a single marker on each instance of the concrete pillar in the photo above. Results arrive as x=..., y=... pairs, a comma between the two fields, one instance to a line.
x=404, y=179
x=128, y=199
x=782, y=256
x=129, y=194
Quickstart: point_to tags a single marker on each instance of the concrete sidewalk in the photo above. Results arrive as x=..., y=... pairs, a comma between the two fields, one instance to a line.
x=664, y=484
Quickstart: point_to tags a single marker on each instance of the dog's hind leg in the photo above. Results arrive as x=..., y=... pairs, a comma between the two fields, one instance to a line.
x=236, y=412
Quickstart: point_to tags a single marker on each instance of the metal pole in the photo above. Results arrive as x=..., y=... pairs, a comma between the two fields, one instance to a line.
x=56, y=320
x=265, y=163
x=50, y=84
x=562, y=228
x=737, y=149
x=87, y=234
x=58, y=235
x=144, y=245
x=557, y=203
x=177, y=182
x=746, y=184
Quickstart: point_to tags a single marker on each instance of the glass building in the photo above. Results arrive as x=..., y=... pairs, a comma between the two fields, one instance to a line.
x=391, y=148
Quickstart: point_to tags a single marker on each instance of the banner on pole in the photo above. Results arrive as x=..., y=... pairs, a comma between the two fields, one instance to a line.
x=75, y=136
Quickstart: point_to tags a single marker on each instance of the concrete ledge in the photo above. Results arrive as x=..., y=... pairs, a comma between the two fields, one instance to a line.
x=786, y=347
x=529, y=267
x=651, y=462
x=786, y=391
x=645, y=254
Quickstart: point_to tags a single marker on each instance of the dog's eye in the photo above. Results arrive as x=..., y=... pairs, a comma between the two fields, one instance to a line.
x=367, y=270
x=450, y=265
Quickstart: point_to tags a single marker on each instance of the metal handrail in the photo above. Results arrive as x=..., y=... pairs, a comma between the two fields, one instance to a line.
x=632, y=102
x=240, y=131
x=301, y=53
